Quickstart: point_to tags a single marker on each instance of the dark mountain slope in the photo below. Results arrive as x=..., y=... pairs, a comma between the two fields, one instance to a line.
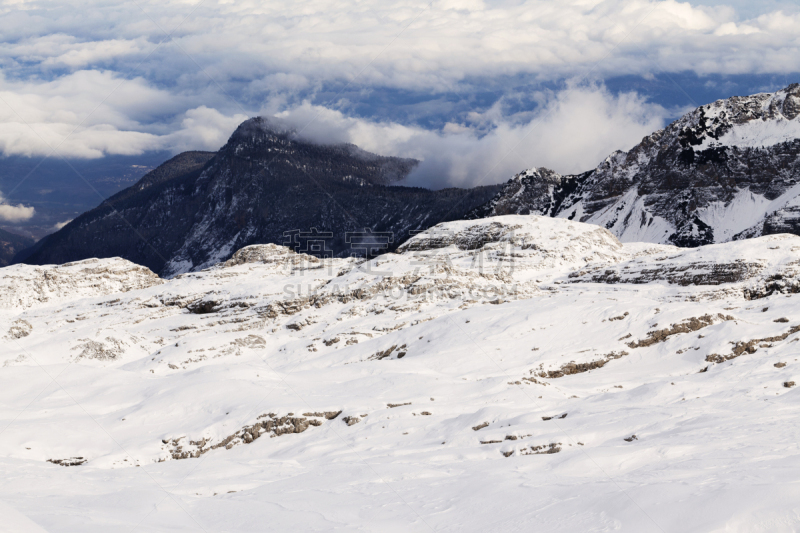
x=105, y=232
x=10, y=245
x=198, y=208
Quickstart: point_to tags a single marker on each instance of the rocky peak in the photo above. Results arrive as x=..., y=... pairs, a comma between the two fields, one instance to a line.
x=266, y=185
x=726, y=170
x=539, y=174
x=259, y=134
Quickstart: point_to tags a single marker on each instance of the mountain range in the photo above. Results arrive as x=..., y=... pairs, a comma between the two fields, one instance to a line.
x=725, y=171
x=265, y=185
x=520, y=370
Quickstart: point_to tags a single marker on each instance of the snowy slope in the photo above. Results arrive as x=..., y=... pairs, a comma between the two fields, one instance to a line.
x=490, y=376
x=725, y=171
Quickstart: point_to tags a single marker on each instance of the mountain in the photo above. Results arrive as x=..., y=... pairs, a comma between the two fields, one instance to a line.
x=11, y=244
x=265, y=185
x=512, y=373
x=725, y=171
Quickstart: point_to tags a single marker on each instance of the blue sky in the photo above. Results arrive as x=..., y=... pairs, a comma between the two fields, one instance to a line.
x=478, y=90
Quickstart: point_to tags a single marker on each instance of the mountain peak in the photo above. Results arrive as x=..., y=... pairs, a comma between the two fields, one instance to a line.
x=266, y=185
x=263, y=126
x=724, y=171
x=755, y=121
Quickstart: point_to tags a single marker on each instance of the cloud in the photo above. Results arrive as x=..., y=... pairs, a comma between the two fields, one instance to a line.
x=90, y=79
x=203, y=129
x=572, y=131
x=14, y=213
x=58, y=225
x=408, y=43
x=85, y=114
x=92, y=53
x=89, y=114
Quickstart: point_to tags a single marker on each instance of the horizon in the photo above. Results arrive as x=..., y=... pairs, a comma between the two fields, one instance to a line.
x=127, y=170
x=477, y=91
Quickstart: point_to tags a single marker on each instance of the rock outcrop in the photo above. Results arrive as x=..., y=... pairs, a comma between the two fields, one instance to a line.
x=725, y=171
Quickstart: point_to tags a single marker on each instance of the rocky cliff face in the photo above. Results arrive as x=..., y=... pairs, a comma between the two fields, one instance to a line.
x=726, y=171
x=264, y=186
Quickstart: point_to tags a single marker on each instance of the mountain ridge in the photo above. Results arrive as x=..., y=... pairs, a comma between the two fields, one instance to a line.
x=687, y=184
x=263, y=184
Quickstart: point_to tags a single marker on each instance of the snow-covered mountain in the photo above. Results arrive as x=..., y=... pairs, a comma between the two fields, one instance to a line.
x=726, y=171
x=413, y=392
x=266, y=185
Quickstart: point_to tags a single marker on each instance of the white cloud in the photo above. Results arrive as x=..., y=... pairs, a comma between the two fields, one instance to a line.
x=14, y=213
x=88, y=114
x=572, y=132
x=203, y=129
x=408, y=43
x=58, y=225
x=83, y=54
x=88, y=79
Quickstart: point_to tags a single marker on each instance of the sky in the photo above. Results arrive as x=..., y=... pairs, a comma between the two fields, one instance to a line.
x=477, y=90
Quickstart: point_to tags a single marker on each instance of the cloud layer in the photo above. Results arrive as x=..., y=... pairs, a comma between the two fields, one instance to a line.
x=84, y=80
x=571, y=131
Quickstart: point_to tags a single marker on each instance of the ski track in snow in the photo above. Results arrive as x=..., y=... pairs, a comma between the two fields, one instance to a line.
x=106, y=363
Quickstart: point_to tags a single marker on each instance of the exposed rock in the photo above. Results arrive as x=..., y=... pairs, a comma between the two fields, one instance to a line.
x=351, y=420
x=578, y=368
x=72, y=461
x=383, y=354
x=685, y=184
x=553, y=447
x=687, y=326
x=107, y=350
x=268, y=424
x=19, y=329
x=327, y=415
x=750, y=346
x=23, y=286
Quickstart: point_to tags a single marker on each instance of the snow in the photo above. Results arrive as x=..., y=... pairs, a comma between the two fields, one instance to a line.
x=745, y=210
x=575, y=212
x=475, y=307
x=756, y=134
x=630, y=220
x=15, y=521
